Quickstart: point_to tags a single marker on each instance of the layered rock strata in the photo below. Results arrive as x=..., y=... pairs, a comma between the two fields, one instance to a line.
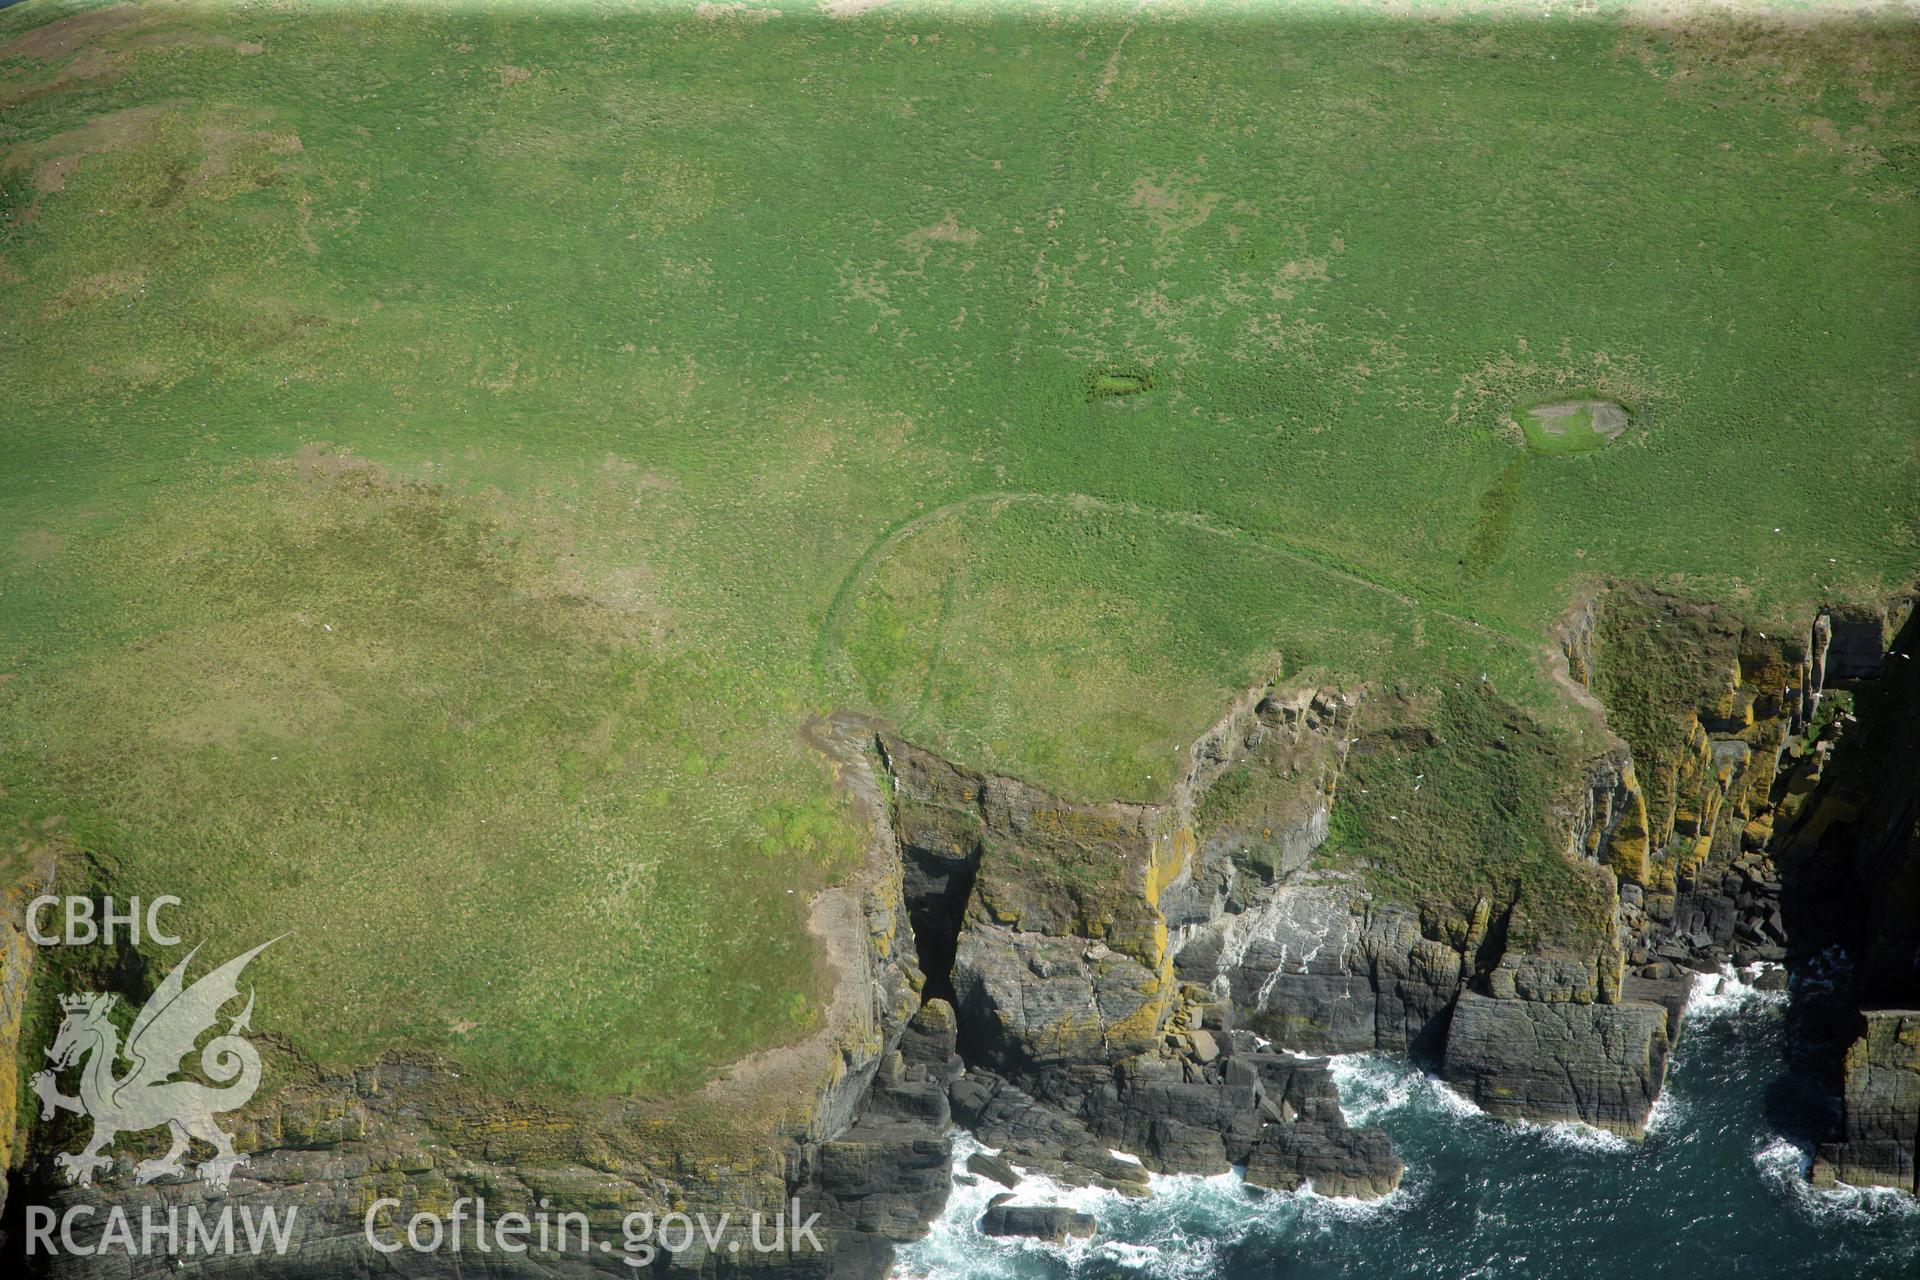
x=1852, y=867
x=851, y=1124
x=1075, y=980
x=1081, y=1032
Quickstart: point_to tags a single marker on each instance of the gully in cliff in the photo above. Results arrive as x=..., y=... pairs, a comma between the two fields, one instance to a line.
x=1153, y=979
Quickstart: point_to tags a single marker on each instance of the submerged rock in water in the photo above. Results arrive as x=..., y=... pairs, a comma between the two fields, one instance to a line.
x=1042, y=1222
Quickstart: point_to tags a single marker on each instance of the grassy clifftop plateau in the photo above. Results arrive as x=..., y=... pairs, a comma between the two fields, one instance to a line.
x=447, y=450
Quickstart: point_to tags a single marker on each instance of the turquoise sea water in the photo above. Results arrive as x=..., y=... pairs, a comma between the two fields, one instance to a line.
x=1714, y=1191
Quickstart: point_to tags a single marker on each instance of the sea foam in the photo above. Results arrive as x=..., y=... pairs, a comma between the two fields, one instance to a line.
x=1784, y=1163
x=1176, y=1232
x=1373, y=1086
x=1730, y=991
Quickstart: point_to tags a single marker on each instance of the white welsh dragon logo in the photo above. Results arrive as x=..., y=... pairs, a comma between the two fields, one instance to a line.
x=147, y=1096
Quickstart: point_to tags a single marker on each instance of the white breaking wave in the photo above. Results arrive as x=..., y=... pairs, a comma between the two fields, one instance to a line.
x=1669, y=1111
x=1373, y=1085
x=1725, y=993
x=1175, y=1232
x=1577, y=1135
x=1784, y=1163
x=955, y=1246
x=1731, y=991
x=1194, y=1228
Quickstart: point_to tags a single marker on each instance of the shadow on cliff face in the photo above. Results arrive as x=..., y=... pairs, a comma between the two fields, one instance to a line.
x=1850, y=866
x=118, y=969
x=23, y=1188
x=1850, y=872
x=938, y=885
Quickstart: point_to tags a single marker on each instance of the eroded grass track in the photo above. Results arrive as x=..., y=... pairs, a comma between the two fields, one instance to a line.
x=467, y=442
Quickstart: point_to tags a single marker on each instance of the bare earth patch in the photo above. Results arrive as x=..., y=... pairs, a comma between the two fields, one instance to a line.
x=98, y=45
x=1173, y=206
x=51, y=161
x=1608, y=418
x=35, y=547
x=946, y=231
x=235, y=159
x=743, y=12
x=64, y=36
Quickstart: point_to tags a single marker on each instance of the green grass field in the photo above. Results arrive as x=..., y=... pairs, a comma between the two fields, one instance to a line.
x=446, y=450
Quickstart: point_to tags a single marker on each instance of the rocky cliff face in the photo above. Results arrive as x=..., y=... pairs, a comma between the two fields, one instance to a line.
x=1125, y=974
x=1780, y=824
x=1878, y=1144
x=1312, y=963
x=1851, y=862
x=851, y=1124
x=1080, y=1029
x=1318, y=964
x=1710, y=709
x=1074, y=979
x=1087, y=942
x=16, y=972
